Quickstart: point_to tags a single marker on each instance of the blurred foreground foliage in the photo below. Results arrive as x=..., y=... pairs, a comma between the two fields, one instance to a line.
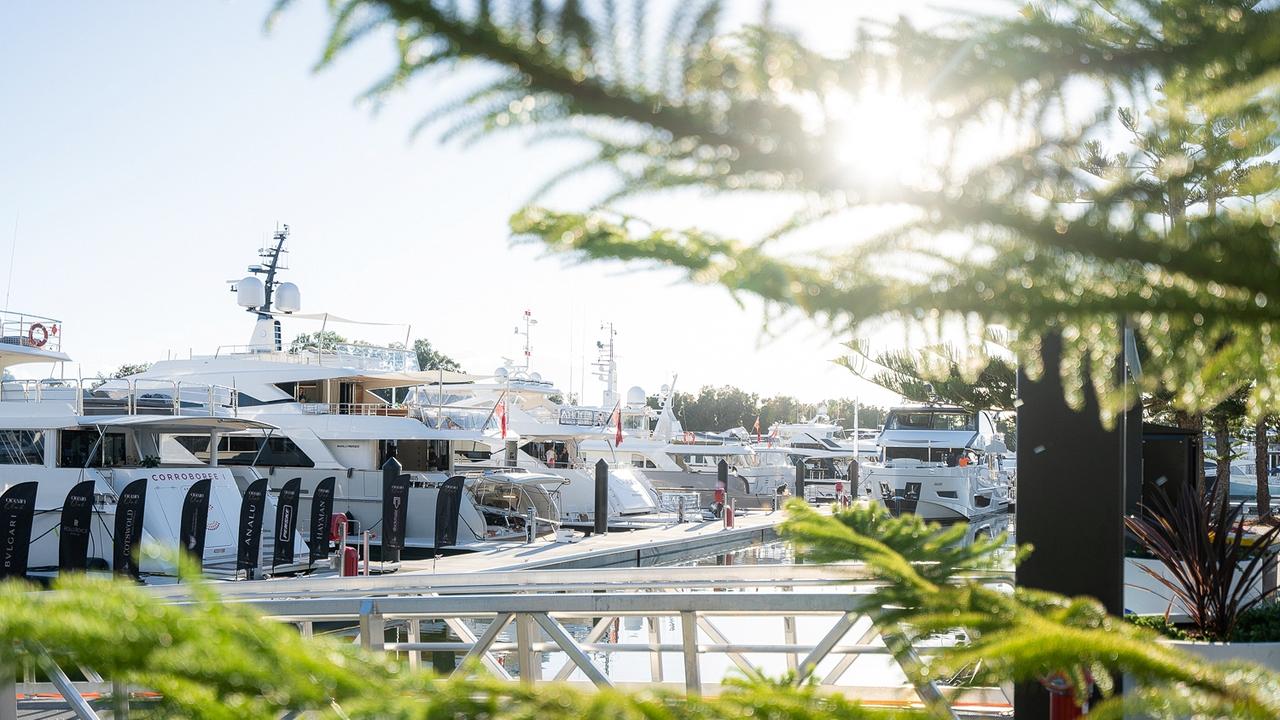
x=1125, y=172
x=210, y=659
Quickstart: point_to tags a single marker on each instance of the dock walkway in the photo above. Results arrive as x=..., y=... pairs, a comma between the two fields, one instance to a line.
x=628, y=548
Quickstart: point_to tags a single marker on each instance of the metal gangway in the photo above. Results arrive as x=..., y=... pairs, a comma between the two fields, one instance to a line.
x=809, y=623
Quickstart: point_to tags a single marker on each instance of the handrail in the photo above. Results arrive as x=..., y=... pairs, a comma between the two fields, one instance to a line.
x=646, y=579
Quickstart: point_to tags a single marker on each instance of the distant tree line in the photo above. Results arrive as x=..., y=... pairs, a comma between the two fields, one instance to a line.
x=713, y=409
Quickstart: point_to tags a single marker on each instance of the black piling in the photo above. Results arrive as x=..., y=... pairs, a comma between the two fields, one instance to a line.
x=602, y=497
x=800, y=479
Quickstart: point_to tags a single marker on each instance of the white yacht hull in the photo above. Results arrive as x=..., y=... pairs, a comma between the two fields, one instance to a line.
x=166, y=491
x=360, y=494
x=935, y=492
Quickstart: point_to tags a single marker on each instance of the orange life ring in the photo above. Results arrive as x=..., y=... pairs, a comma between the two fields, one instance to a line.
x=31, y=335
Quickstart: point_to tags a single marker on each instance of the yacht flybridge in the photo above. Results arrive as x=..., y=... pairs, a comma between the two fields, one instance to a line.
x=90, y=452
x=939, y=462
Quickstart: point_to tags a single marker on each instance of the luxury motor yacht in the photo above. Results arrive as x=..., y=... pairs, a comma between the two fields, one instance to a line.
x=820, y=429
x=340, y=412
x=543, y=437
x=685, y=464
x=939, y=462
x=92, y=453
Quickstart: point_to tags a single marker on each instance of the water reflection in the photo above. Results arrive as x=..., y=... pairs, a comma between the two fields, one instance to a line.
x=634, y=662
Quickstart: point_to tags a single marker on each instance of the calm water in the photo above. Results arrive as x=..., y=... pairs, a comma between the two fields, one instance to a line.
x=867, y=670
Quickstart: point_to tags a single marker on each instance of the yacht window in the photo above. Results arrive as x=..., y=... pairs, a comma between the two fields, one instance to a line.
x=949, y=456
x=75, y=446
x=932, y=420
x=242, y=449
x=21, y=447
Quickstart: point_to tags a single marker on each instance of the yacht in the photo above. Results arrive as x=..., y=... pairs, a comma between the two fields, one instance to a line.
x=340, y=412
x=1243, y=477
x=939, y=462
x=682, y=464
x=820, y=429
x=544, y=437
x=59, y=433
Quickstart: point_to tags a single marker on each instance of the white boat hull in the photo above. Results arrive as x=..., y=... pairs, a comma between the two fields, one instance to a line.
x=935, y=492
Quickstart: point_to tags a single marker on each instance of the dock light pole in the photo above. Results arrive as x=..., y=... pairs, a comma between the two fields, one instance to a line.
x=602, y=497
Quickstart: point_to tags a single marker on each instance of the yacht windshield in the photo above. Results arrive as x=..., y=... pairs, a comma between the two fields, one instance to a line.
x=931, y=420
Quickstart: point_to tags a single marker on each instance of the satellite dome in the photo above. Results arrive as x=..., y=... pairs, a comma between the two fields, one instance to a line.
x=636, y=396
x=500, y=373
x=251, y=293
x=536, y=377
x=665, y=389
x=288, y=298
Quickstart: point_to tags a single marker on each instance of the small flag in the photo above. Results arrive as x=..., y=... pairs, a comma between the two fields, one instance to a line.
x=617, y=419
x=502, y=418
x=756, y=427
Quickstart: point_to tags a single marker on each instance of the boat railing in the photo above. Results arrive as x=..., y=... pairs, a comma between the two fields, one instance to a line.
x=27, y=330
x=372, y=409
x=96, y=396
x=342, y=355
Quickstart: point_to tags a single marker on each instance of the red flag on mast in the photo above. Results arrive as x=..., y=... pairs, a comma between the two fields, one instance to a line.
x=502, y=418
x=617, y=419
x=756, y=427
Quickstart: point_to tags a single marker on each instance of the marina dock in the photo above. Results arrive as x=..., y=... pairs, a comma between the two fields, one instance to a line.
x=660, y=544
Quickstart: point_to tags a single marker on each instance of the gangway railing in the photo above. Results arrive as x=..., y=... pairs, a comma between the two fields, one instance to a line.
x=813, y=621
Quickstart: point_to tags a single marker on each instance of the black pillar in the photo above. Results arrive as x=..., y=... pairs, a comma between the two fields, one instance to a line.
x=1071, y=497
x=602, y=497
x=800, y=479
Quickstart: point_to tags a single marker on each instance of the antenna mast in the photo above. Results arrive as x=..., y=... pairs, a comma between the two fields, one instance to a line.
x=606, y=365
x=529, y=322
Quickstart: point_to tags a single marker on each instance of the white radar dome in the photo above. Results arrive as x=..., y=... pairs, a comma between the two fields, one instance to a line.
x=288, y=298
x=500, y=372
x=636, y=396
x=536, y=377
x=250, y=292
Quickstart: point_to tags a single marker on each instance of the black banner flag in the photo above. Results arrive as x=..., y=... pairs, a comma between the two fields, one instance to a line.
x=17, y=510
x=195, y=523
x=448, y=505
x=129, y=513
x=73, y=533
x=250, y=531
x=321, y=509
x=286, y=522
x=395, y=511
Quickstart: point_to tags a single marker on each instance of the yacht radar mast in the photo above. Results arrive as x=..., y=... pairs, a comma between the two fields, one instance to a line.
x=268, y=296
x=529, y=322
x=606, y=365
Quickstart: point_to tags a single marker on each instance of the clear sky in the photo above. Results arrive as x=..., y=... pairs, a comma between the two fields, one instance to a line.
x=148, y=148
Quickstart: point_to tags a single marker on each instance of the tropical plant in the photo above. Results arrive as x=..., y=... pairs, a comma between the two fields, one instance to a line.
x=209, y=659
x=754, y=111
x=940, y=373
x=1213, y=570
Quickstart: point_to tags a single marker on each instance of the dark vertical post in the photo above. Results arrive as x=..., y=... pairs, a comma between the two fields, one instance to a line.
x=513, y=454
x=602, y=497
x=722, y=475
x=1071, y=485
x=391, y=470
x=800, y=479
